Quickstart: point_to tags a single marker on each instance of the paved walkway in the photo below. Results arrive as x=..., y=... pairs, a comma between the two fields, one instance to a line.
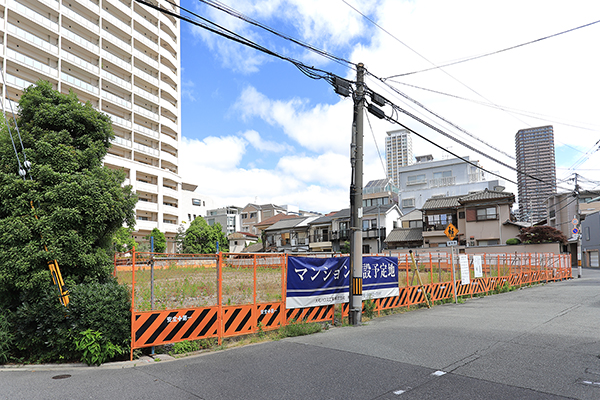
x=541, y=342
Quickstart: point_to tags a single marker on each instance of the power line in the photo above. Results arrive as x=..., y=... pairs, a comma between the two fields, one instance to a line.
x=311, y=72
x=493, y=52
x=234, y=13
x=525, y=113
x=377, y=146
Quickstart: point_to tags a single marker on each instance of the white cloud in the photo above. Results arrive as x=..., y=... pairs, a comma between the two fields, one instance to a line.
x=323, y=127
x=329, y=169
x=265, y=145
x=223, y=153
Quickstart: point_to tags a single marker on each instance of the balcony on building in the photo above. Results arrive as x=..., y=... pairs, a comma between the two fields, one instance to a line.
x=147, y=201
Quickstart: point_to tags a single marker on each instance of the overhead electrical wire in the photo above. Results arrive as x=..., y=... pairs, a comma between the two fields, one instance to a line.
x=316, y=73
x=311, y=72
x=494, y=52
x=502, y=108
x=234, y=13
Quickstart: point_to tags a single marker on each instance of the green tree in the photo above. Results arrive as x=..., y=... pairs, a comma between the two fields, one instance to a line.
x=160, y=243
x=79, y=204
x=201, y=238
x=123, y=240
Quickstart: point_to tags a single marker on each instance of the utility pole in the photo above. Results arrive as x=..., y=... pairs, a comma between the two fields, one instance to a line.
x=578, y=230
x=356, y=209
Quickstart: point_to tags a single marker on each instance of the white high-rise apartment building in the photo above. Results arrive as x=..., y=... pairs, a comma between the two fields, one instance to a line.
x=398, y=153
x=124, y=58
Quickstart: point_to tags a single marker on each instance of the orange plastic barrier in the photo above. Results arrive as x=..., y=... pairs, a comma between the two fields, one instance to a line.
x=153, y=328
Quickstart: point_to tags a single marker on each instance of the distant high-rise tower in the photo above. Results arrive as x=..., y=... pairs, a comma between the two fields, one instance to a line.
x=535, y=158
x=398, y=153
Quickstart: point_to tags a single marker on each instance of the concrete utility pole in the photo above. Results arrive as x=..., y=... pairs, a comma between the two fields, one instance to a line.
x=578, y=225
x=356, y=210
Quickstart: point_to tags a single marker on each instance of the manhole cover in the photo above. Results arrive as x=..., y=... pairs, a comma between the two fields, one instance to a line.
x=65, y=376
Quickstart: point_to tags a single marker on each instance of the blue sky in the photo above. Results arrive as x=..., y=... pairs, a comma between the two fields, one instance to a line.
x=255, y=129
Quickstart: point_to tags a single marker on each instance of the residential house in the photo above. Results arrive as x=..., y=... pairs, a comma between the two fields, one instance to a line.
x=380, y=191
x=238, y=241
x=482, y=219
x=289, y=235
x=409, y=234
x=563, y=209
x=254, y=213
x=228, y=217
x=590, y=240
x=330, y=232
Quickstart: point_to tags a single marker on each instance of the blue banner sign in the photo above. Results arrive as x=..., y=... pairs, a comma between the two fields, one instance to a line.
x=323, y=281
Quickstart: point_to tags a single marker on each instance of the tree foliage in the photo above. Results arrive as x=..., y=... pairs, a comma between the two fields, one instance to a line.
x=79, y=204
x=201, y=238
x=541, y=234
x=160, y=242
x=123, y=240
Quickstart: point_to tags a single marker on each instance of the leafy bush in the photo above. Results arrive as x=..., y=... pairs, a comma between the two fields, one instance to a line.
x=189, y=346
x=6, y=338
x=513, y=241
x=45, y=331
x=94, y=349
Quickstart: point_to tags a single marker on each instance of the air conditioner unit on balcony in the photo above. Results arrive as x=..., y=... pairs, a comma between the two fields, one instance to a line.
x=293, y=242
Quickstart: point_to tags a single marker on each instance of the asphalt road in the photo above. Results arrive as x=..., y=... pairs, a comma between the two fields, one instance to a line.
x=541, y=342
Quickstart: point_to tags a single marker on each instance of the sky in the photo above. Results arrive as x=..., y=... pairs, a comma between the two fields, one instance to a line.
x=255, y=129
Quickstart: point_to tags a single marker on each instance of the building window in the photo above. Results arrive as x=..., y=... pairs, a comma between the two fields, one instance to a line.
x=196, y=202
x=416, y=179
x=408, y=203
x=253, y=215
x=443, y=174
x=484, y=214
x=244, y=216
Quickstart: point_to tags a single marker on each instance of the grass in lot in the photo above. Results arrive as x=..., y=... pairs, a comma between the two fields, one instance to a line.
x=185, y=286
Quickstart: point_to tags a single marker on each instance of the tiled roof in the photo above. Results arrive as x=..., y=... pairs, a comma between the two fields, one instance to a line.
x=437, y=203
x=242, y=235
x=254, y=248
x=271, y=220
x=486, y=194
x=405, y=235
x=286, y=223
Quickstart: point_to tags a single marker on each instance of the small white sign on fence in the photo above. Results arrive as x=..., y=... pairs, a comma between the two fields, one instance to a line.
x=465, y=278
x=477, y=267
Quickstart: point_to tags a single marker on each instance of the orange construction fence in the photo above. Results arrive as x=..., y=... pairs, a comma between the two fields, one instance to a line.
x=176, y=297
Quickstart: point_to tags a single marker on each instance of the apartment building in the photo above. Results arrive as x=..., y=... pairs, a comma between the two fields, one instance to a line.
x=430, y=178
x=398, y=153
x=122, y=57
x=535, y=159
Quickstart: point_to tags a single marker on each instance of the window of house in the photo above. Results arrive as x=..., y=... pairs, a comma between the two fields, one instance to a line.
x=408, y=203
x=415, y=224
x=366, y=249
x=443, y=174
x=244, y=216
x=416, y=179
x=369, y=224
x=196, y=202
x=189, y=217
x=253, y=215
x=484, y=214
